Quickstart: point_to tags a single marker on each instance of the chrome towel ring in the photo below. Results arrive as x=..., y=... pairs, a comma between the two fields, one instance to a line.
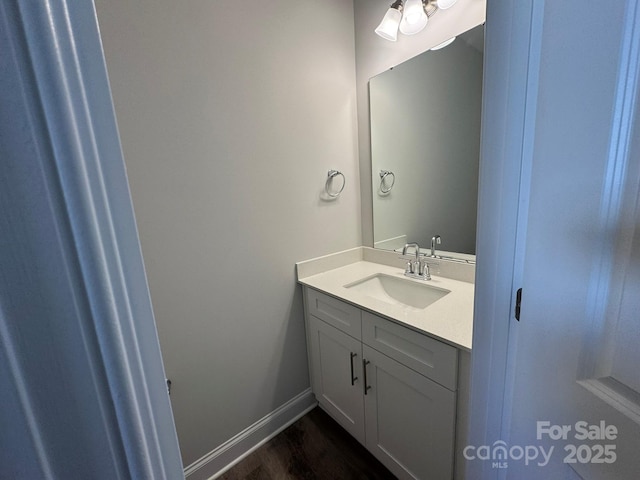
x=383, y=175
x=327, y=186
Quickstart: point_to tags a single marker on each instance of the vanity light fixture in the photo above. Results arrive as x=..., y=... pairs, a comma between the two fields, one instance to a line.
x=414, y=18
x=388, y=28
x=411, y=16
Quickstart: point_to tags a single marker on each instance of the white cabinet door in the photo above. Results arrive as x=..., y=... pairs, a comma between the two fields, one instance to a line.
x=409, y=419
x=336, y=371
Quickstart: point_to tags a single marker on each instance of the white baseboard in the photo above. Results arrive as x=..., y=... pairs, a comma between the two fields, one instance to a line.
x=219, y=460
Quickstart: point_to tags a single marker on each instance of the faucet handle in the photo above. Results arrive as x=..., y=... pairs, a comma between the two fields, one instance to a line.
x=426, y=274
x=431, y=265
x=409, y=261
x=409, y=267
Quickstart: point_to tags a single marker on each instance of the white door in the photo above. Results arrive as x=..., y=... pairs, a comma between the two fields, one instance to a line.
x=573, y=388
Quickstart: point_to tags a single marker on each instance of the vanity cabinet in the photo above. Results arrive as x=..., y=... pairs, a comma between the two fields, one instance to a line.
x=392, y=388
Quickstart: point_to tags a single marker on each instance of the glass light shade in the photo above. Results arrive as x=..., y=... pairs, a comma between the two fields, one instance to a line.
x=444, y=4
x=388, y=28
x=443, y=44
x=414, y=18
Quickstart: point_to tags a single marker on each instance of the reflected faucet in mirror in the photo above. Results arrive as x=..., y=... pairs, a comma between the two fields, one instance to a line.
x=435, y=240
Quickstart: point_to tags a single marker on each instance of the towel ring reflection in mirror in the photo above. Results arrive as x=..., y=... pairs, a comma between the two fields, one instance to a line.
x=385, y=188
x=327, y=186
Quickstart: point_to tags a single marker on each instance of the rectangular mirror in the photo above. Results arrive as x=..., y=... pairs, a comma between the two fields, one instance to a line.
x=425, y=147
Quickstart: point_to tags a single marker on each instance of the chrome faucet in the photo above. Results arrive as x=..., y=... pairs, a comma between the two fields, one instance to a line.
x=409, y=245
x=435, y=240
x=416, y=268
x=412, y=267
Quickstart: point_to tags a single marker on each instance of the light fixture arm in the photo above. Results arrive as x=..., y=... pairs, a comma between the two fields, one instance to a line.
x=398, y=5
x=430, y=7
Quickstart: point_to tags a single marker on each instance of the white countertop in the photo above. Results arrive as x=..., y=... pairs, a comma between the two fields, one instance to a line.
x=449, y=319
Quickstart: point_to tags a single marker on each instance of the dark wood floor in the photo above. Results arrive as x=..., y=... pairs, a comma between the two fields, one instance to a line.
x=313, y=448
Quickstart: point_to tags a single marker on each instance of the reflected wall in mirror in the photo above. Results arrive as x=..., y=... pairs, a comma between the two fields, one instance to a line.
x=425, y=128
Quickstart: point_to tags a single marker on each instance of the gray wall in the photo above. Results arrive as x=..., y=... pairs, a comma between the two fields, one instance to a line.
x=375, y=55
x=230, y=115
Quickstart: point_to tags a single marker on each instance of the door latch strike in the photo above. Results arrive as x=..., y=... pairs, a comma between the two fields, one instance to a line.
x=518, y=303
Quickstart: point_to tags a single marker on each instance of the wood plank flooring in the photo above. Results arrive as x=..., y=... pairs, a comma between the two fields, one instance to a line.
x=313, y=448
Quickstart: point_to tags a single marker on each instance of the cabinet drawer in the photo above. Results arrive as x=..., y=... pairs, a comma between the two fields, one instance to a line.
x=341, y=315
x=425, y=355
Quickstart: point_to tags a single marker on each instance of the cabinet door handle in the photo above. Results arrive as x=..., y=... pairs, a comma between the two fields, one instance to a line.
x=353, y=379
x=365, y=362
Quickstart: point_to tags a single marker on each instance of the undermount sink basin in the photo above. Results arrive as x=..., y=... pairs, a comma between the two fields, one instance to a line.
x=398, y=290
